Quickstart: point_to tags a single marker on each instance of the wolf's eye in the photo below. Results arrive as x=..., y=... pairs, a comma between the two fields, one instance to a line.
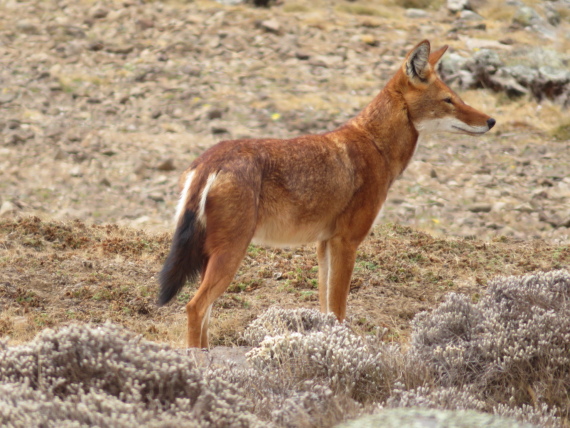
x=448, y=100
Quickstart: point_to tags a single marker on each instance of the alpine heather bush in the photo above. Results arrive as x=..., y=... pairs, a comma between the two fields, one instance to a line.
x=308, y=345
x=506, y=354
x=334, y=354
x=287, y=402
x=92, y=375
x=513, y=346
x=277, y=321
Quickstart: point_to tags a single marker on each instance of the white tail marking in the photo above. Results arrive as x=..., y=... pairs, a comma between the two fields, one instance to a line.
x=328, y=262
x=204, y=197
x=183, y=197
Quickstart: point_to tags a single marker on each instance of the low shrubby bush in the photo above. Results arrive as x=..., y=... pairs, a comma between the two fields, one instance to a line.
x=107, y=376
x=506, y=354
x=512, y=347
x=277, y=321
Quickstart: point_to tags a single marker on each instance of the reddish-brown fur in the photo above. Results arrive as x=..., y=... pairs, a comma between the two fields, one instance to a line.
x=327, y=188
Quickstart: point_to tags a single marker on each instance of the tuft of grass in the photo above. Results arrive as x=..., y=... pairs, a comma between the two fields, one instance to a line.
x=498, y=12
x=360, y=9
x=562, y=132
x=295, y=8
x=419, y=4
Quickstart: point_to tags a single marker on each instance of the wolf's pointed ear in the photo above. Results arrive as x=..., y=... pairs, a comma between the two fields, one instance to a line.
x=416, y=65
x=435, y=57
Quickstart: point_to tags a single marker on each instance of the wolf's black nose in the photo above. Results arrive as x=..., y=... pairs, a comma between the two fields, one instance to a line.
x=491, y=122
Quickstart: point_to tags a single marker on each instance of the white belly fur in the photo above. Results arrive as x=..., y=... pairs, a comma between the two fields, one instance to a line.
x=277, y=234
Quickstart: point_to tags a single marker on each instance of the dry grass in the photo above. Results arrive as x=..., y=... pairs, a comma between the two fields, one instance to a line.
x=364, y=10
x=56, y=273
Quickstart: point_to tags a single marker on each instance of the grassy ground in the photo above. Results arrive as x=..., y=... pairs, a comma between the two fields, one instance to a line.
x=56, y=273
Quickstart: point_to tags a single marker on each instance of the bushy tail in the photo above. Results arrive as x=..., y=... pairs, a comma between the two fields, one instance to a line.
x=186, y=258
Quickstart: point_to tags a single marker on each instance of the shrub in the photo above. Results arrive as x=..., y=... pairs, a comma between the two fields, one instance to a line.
x=107, y=376
x=506, y=354
x=277, y=321
x=512, y=347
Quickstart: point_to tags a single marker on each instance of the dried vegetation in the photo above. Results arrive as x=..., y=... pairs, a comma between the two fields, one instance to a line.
x=506, y=354
x=54, y=273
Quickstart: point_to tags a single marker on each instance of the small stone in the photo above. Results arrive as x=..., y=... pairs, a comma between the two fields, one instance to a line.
x=76, y=171
x=526, y=16
x=13, y=124
x=480, y=208
x=166, y=165
x=19, y=137
x=27, y=27
x=7, y=209
x=145, y=24
x=525, y=208
x=120, y=49
x=369, y=39
x=553, y=16
x=468, y=15
x=216, y=130
x=99, y=13
x=215, y=114
x=270, y=25
x=105, y=182
x=416, y=13
x=156, y=197
x=95, y=46
x=499, y=206
x=455, y=6
x=191, y=70
x=302, y=55
x=7, y=97
x=140, y=220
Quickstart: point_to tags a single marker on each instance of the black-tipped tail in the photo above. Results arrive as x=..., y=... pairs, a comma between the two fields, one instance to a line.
x=186, y=258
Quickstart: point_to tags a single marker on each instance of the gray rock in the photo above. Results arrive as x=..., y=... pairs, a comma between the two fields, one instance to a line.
x=270, y=25
x=99, y=13
x=120, y=49
x=27, y=27
x=480, y=208
x=416, y=13
x=7, y=209
x=156, y=197
x=468, y=15
x=521, y=73
x=19, y=137
x=76, y=171
x=7, y=97
x=410, y=417
x=454, y=68
x=458, y=5
x=526, y=17
x=554, y=75
x=489, y=59
x=552, y=15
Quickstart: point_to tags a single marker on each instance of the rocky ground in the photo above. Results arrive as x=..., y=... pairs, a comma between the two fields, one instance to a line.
x=104, y=104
